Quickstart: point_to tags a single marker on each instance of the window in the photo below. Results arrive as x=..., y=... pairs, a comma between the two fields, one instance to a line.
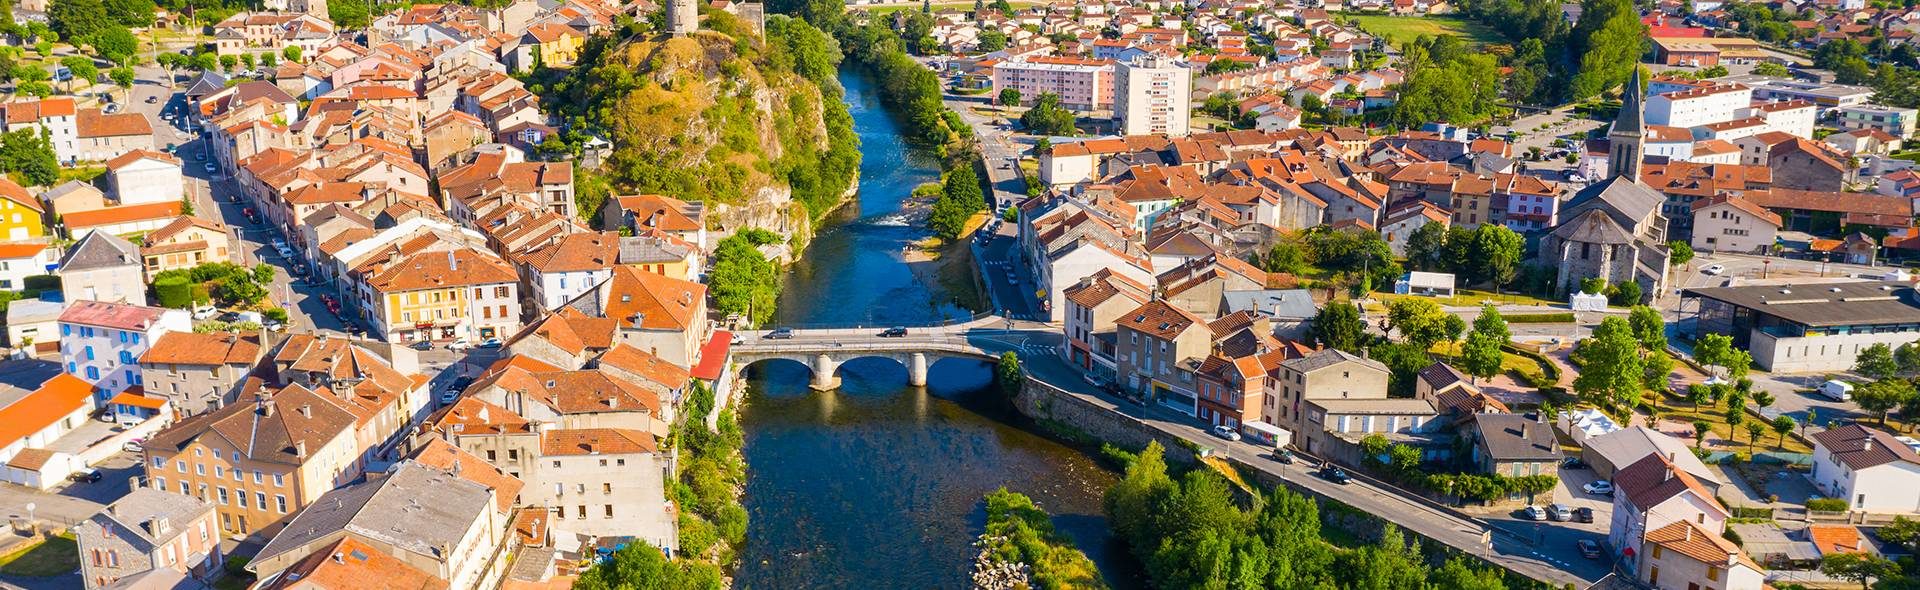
x=490, y=456
x=160, y=483
x=159, y=462
x=1713, y=573
x=280, y=503
x=279, y=480
x=180, y=466
x=223, y=495
x=606, y=488
x=260, y=500
x=219, y=471
x=609, y=513
x=257, y=478
x=89, y=353
x=93, y=372
x=580, y=512
x=603, y=462
x=240, y=498
x=514, y=454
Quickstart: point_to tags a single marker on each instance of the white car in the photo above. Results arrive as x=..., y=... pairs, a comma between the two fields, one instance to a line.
x=1715, y=269
x=1599, y=488
x=459, y=345
x=1536, y=513
x=209, y=168
x=1226, y=432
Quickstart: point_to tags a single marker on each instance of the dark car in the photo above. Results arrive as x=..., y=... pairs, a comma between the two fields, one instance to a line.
x=421, y=345
x=894, y=332
x=780, y=334
x=85, y=475
x=1573, y=463
x=1335, y=475
x=1583, y=515
x=1589, y=549
x=230, y=317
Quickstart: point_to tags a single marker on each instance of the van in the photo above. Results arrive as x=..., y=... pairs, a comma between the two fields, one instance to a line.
x=1836, y=389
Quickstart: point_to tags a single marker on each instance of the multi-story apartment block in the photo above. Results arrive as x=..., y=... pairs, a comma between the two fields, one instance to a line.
x=1700, y=105
x=102, y=342
x=605, y=482
x=198, y=372
x=20, y=213
x=1151, y=95
x=148, y=529
x=1155, y=341
x=567, y=266
x=1895, y=121
x=463, y=294
x=260, y=460
x=1093, y=307
x=1082, y=84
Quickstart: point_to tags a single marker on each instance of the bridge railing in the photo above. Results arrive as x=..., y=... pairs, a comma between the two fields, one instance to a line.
x=880, y=324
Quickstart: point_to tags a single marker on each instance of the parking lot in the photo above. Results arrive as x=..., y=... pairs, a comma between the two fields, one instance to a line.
x=1555, y=541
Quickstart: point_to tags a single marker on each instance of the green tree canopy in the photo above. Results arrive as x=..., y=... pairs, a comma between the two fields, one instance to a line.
x=1610, y=369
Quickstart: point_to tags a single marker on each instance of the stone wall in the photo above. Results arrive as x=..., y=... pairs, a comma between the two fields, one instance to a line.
x=1041, y=401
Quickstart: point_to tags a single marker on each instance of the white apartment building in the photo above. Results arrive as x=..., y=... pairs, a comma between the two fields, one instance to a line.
x=1808, y=328
x=1151, y=95
x=604, y=482
x=102, y=342
x=1698, y=106
x=1868, y=468
x=1895, y=121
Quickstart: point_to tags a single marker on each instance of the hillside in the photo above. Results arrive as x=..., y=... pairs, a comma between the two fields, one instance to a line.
x=753, y=126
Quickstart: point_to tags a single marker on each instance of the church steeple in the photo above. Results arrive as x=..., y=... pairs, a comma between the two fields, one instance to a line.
x=1627, y=141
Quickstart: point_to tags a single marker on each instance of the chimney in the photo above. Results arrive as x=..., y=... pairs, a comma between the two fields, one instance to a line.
x=338, y=558
x=453, y=262
x=1523, y=430
x=1866, y=444
x=306, y=410
x=300, y=449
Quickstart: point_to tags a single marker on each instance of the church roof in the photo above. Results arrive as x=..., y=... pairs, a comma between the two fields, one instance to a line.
x=1629, y=119
x=1593, y=227
x=1627, y=200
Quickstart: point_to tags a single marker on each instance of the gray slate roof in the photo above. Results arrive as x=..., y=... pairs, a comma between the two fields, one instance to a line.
x=1321, y=359
x=100, y=250
x=131, y=516
x=1513, y=437
x=1626, y=201
x=1277, y=303
x=415, y=507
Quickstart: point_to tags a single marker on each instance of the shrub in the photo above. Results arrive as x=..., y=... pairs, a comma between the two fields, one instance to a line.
x=173, y=291
x=1827, y=505
x=1541, y=318
x=42, y=283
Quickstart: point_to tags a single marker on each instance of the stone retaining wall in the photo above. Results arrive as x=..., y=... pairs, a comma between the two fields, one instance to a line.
x=1041, y=401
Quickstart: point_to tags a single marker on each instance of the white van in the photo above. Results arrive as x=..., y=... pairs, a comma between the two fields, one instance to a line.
x=1837, y=389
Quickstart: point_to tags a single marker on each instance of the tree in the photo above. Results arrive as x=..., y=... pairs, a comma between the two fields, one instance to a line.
x=1607, y=40
x=1881, y=397
x=1007, y=374
x=1714, y=350
x=1426, y=247
x=1648, y=328
x=1610, y=368
x=1286, y=256
x=1907, y=356
x=29, y=154
x=1700, y=430
x=1627, y=293
x=1419, y=321
x=1490, y=322
x=1496, y=253
x=207, y=62
x=960, y=198
x=1699, y=395
x=117, y=44
x=1481, y=357
x=1048, y=117
x=1858, y=567
x=992, y=40
x=131, y=13
x=292, y=53
x=1782, y=426
x=78, y=19
x=123, y=77
x=1009, y=96
x=743, y=281
x=1762, y=399
x=1903, y=531
x=1679, y=253
x=349, y=14
x=1754, y=430
x=1876, y=362
x=227, y=63
x=1338, y=326
x=247, y=60
x=82, y=69
x=1767, y=68
x=640, y=565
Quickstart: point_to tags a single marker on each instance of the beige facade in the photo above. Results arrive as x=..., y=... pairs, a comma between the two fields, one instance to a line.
x=1327, y=374
x=1733, y=225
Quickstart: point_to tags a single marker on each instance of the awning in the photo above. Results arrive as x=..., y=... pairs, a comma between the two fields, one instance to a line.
x=1265, y=428
x=138, y=401
x=714, y=356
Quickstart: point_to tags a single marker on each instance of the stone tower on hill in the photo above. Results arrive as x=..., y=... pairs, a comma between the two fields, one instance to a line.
x=683, y=17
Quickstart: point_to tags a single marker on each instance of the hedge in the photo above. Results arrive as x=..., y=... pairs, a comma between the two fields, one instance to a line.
x=1827, y=505
x=42, y=283
x=1565, y=317
x=173, y=291
x=1550, y=368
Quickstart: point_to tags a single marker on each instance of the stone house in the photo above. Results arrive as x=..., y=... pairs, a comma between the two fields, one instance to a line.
x=148, y=529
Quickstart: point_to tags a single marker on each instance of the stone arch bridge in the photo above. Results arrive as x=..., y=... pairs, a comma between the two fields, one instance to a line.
x=825, y=349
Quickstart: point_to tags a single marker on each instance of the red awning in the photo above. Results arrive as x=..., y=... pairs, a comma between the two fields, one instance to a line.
x=714, y=356
x=138, y=401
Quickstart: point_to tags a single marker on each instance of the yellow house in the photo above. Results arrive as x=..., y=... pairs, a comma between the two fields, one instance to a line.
x=20, y=213
x=554, y=45
x=461, y=294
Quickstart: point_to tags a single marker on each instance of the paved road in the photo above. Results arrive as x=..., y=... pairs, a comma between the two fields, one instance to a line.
x=1008, y=280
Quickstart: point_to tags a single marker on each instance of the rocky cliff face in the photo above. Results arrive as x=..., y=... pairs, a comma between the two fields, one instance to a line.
x=719, y=116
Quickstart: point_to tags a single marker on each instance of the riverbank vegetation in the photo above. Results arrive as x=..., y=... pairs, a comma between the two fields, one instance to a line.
x=1019, y=532
x=1191, y=531
x=743, y=281
x=713, y=524
x=960, y=199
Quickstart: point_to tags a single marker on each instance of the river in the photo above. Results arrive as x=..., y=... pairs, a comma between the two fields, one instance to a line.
x=878, y=484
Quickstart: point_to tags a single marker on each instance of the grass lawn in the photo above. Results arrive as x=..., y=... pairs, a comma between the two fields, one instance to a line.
x=1509, y=362
x=1402, y=29
x=1473, y=298
x=52, y=557
x=1674, y=407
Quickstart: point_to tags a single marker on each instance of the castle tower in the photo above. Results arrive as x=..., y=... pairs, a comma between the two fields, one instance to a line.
x=683, y=17
x=1628, y=139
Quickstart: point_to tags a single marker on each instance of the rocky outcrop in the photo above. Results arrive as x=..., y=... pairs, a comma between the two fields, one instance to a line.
x=992, y=573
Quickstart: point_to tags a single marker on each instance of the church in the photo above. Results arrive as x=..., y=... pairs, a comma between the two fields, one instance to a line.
x=1613, y=228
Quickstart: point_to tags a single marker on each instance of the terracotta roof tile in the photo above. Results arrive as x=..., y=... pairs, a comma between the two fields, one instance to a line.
x=53, y=400
x=203, y=349
x=596, y=441
x=440, y=454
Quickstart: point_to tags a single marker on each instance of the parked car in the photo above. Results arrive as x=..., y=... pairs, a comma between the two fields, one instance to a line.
x=209, y=168
x=134, y=446
x=1284, y=456
x=1588, y=548
x=204, y=312
x=273, y=326
x=153, y=99
x=449, y=396
x=459, y=345
x=489, y=344
x=1335, y=475
x=1599, y=488
x=737, y=339
x=85, y=475
x=1573, y=463
x=1226, y=432
x=1534, y=512
x=1559, y=513
x=1714, y=269
x=230, y=317
x=779, y=334
x=1583, y=514
x=894, y=332
x=421, y=345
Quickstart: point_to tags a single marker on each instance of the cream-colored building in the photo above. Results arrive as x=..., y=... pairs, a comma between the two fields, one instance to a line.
x=1733, y=224
x=1328, y=374
x=1152, y=94
x=198, y=372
